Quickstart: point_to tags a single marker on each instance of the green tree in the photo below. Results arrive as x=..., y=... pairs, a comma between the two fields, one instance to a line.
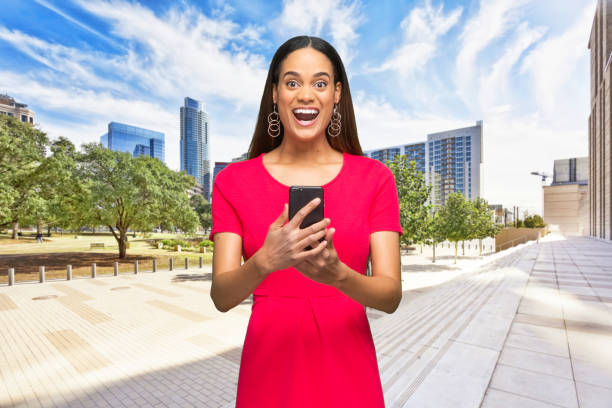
x=434, y=226
x=455, y=219
x=203, y=209
x=534, y=221
x=483, y=225
x=412, y=194
x=124, y=192
x=22, y=149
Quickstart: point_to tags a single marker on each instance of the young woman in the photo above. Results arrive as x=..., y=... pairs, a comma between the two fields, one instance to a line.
x=308, y=342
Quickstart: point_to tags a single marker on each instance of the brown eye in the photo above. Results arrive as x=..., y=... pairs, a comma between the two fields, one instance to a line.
x=320, y=84
x=292, y=84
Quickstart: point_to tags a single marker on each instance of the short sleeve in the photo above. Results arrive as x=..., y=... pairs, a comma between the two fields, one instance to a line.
x=384, y=211
x=224, y=215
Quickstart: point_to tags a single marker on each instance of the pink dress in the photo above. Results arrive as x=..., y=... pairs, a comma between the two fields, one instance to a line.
x=308, y=344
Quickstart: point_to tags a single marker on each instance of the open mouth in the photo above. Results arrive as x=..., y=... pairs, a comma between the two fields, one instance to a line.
x=305, y=116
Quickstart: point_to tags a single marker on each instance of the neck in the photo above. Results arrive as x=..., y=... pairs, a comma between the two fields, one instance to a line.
x=296, y=152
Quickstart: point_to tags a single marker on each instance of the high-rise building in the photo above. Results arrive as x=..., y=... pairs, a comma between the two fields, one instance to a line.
x=9, y=107
x=566, y=203
x=451, y=161
x=195, y=143
x=135, y=140
x=600, y=125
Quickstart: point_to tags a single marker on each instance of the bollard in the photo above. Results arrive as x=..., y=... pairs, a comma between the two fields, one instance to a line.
x=155, y=265
x=68, y=272
x=11, y=276
x=116, y=271
x=41, y=274
x=186, y=263
x=171, y=264
x=201, y=262
x=136, y=267
x=93, y=270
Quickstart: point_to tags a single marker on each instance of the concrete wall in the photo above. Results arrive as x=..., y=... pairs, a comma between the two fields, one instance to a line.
x=566, y=209
x=509, y=237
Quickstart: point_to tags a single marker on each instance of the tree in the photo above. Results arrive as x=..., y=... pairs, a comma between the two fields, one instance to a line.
x=434, y=232
x=534, y=221
x=22, y=149
x=455, y=219
x=482, y=225
x=203, y=209
x=412, y=194
x=125, y=192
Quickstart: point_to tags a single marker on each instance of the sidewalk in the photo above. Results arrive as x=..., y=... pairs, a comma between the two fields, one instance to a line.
x=531, y=328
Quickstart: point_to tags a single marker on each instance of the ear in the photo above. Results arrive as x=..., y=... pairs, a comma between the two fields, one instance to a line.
x=274, y=93
x=337, y=92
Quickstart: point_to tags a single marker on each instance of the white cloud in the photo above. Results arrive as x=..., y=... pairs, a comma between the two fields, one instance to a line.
x=494, y=87
x=494, y=18
x=421, y=30
x=552, y=65
x=184, y=52
x=339, y=18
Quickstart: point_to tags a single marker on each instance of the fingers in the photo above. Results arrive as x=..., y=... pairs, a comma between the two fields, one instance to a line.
x=311, y=239
x=329, y=237
x=314, y=228
x=297, y=219
x=315, y=251
x=282, y=218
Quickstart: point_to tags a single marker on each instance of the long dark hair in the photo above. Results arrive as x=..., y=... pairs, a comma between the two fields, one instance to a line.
x=347, y=141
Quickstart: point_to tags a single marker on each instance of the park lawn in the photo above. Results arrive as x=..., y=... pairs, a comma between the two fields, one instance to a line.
x=26, y=256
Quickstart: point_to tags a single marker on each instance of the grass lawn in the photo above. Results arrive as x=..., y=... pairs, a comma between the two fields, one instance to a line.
x=25, y=255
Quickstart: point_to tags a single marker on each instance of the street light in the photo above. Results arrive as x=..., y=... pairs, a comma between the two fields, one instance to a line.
x=542, y=174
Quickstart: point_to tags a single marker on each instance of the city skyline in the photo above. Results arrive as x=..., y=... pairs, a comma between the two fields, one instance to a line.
x=415, y=68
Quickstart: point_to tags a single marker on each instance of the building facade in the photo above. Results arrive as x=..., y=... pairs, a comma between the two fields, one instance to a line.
x=566, y=202
x=451, y=161
x=600, y=124
x=195, y=143
x=135, y=140
x=9, y=107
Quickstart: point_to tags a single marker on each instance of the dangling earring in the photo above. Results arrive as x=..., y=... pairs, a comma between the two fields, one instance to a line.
x=335, y=126
x=274, y=123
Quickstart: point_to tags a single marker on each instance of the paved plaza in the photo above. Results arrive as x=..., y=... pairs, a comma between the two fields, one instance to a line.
x=528, y=327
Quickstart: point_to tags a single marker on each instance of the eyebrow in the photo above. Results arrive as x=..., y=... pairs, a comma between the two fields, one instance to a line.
x=318, y=74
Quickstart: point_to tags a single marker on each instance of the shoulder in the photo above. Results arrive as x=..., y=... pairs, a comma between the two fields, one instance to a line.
x=238, y=172
x=368, y=166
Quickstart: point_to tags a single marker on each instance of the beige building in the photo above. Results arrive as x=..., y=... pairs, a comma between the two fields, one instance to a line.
x=9, y=107
x=566, y=200
x=600, y=123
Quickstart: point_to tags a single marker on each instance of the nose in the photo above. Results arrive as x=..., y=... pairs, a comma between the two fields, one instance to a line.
x=305, y=94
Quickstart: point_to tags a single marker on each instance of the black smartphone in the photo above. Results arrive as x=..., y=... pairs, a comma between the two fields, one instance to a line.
x=299, y=196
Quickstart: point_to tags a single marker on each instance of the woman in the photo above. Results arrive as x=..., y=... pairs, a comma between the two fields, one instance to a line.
x=308, y=342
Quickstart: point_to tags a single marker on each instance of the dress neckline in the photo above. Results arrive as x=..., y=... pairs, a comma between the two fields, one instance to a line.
x=336, y=177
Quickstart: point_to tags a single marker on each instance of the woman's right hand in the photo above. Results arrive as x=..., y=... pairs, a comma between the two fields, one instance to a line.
x=285, y=243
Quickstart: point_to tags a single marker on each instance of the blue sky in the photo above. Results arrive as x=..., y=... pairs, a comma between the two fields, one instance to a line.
x=415, y=67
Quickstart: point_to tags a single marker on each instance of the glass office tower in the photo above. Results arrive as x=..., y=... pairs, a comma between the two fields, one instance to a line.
x=451, y=161
x=194, y=143
x=135, y=140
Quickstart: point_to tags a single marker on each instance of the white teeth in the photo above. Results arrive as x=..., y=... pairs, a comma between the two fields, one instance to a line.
x=306, y=111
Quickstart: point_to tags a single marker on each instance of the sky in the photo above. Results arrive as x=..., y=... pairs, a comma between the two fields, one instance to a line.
x=414, y=67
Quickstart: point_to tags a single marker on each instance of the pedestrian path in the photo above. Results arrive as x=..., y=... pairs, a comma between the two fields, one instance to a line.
x=530, y=328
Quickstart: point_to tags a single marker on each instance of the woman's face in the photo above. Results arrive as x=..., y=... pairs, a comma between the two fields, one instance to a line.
x=306, y=94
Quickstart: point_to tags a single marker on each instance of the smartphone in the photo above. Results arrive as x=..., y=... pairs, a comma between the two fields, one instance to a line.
x=299, y=196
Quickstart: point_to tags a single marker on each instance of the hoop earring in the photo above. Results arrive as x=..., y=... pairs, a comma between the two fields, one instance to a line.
x=274, y=123
x=335, y=126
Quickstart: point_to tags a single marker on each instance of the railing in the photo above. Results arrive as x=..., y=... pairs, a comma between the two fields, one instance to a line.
x=42, y=273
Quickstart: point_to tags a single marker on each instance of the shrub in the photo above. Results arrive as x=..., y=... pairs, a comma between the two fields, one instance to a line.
x=207, y=243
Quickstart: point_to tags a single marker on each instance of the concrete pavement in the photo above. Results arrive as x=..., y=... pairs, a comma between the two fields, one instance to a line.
x=529, y=327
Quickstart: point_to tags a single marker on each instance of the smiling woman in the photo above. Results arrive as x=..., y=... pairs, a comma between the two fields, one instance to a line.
x=308, y=342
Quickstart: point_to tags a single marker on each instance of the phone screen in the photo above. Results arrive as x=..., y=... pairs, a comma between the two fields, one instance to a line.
x=299, y=196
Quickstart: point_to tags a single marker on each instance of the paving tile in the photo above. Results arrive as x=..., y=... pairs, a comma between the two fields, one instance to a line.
x=538, y=362
x=501, y=399
x=537, y=386
x=592, y=396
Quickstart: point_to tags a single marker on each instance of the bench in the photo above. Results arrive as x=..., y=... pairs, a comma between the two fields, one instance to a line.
x=96, y=245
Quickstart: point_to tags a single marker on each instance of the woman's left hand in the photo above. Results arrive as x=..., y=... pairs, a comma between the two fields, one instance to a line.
x=324, y=267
